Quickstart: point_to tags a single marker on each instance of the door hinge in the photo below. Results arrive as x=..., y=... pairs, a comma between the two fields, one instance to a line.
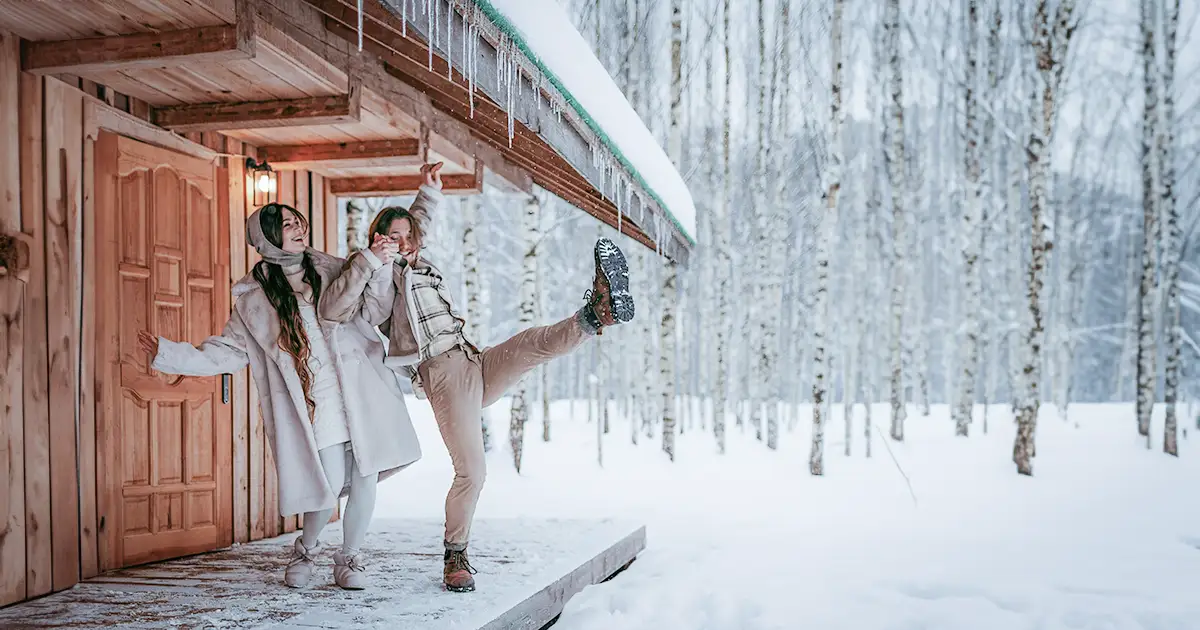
x=226, y=379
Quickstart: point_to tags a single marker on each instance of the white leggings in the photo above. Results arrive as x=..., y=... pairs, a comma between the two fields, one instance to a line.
x=339, y=462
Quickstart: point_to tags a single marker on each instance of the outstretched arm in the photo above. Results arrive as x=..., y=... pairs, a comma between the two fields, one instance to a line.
x=365, y=285
x=221, y=354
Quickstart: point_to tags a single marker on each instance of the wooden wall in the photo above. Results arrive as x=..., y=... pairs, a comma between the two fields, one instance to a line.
x=48, y=519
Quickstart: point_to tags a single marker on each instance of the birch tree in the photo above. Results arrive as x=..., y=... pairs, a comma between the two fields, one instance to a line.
x=666, y=347
x=1146, y=371
x=894, y=157
x=971, y=221
x=356, y=220
x=1051, y=42
x=833, y=175
x=531, y=224
x=721, y=234
x=476, y=318
x=1173, y=333
x=775, y=230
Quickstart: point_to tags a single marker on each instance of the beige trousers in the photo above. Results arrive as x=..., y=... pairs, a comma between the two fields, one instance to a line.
x=459, y=384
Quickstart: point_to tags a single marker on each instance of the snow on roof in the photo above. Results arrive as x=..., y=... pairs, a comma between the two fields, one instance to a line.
x=544, y=33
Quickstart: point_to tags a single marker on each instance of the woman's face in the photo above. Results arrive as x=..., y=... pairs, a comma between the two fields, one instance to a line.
x=295, y=233
x=400, y=231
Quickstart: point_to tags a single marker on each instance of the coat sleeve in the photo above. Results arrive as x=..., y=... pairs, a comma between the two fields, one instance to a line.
x=364, y=289
x=222, y=354
x=425, y=207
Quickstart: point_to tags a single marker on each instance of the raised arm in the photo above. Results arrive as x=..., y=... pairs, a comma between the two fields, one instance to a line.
x=221, y=354
x=365, y=286
x=429, y=197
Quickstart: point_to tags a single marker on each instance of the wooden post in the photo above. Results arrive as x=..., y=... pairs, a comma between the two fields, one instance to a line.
x=36, y=371
x=239, y=395
x=63, y=159
x=14, y=258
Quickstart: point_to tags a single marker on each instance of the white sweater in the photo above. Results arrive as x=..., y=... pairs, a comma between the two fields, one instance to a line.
x=329, y=419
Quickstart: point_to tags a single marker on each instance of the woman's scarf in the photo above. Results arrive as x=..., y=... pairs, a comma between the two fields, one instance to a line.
x=266, y=249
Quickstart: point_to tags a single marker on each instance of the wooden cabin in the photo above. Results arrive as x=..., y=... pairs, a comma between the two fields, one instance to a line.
x=133, y=135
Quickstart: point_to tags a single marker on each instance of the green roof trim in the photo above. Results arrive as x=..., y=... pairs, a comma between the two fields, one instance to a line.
x=511, y=31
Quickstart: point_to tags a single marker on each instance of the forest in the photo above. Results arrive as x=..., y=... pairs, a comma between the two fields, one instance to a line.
x=988, y=205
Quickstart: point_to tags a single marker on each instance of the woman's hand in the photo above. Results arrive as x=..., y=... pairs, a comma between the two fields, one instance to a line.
x=149, y=343
x=431, y=175
x=384, y=247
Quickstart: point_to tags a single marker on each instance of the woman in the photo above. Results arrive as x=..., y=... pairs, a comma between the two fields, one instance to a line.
x=428, y=344
x=335, y=416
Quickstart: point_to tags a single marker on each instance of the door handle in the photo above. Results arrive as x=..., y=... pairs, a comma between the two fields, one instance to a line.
x=226, y=379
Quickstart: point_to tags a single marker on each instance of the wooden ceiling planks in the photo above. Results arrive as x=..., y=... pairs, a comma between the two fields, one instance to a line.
x=74, y=19
x=407, y=59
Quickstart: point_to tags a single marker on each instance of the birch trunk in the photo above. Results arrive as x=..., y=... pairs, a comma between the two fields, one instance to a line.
x=1050, y=50
x=971, y=223
x=894, y=157
x=721, y=232
x=776, y=232
x=1146, y=370
x=816, y=458
x=520, y=404
x=476, y=317
x=1173, y=334
x=356, y=217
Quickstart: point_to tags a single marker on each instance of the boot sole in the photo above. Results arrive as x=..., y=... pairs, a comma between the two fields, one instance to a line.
x=610, y=262
x=460, y=589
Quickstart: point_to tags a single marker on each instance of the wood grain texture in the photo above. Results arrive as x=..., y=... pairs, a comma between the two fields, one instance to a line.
x=108, y=350
x=89, y=553
x=205, y=44
x=38, y=563
x=12, y=337
x=401, y=152
x=300, y=112
x=402, y=185
x=224, y=427
x=12, y=436
x=239, y=397
x=64, y=143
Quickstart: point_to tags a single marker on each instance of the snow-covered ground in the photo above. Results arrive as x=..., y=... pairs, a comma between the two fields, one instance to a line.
x=1105, y=536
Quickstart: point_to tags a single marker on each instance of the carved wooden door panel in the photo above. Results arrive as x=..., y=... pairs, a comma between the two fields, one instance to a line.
x=163, y=441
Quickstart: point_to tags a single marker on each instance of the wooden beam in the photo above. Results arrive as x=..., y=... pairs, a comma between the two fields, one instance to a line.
x=304, y=24
x=402, y=185
x=300, y=112
x=207, y=44
x=402, y=152
x=543, y=607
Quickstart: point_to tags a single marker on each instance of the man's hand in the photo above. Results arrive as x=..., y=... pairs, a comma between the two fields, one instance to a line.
x=384, y=248
x=431, y=175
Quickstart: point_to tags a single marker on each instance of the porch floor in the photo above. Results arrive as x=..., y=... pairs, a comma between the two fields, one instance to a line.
x=527, y=571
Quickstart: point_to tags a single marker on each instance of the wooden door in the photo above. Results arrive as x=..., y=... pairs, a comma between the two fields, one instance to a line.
x=163, y=442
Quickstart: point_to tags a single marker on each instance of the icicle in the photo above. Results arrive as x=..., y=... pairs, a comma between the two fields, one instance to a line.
x=473, y=56
x=360, y=25
x=465, y=61
x=404, y=17
x=450, y=42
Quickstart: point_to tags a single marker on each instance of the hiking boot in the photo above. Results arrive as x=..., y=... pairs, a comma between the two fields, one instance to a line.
x=608, y=302
x=301, y=566
x=349, y=572
x=458, y=572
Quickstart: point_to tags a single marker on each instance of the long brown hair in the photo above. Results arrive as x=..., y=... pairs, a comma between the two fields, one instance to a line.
x=270, y=276
x=383, y=223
